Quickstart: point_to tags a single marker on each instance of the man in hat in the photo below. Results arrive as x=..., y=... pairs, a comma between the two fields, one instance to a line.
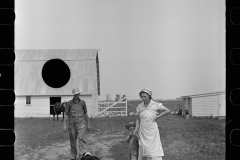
x=76, y=112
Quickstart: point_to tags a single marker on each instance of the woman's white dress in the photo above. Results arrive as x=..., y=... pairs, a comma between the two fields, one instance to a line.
x=148, y=130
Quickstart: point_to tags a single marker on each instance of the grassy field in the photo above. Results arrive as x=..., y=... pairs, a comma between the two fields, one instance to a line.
x=189, y=139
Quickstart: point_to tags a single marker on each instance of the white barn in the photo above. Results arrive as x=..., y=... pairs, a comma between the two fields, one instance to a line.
x=35, y=97
x=208, y=104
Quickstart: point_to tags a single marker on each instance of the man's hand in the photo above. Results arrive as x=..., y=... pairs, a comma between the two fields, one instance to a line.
x=88, y=127
x=136, y=135
x=64, y=128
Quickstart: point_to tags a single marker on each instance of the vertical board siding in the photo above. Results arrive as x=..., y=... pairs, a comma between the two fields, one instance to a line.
x=205, y=106
x=88, y=100
x=40, y=107
x=190, y=106
x=29, y=81
x=222, y=105
x=185, y=103
x=66, y=98
x=90, y=85
x=95, y=96
x=85, y=85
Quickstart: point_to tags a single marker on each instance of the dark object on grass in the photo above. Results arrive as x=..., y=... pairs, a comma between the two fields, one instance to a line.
x=88, y=156
x=179, y=112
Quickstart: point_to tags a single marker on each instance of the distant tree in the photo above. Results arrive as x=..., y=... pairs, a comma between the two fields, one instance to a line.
x=178, y=99
x=170, y=99
x=117, y=97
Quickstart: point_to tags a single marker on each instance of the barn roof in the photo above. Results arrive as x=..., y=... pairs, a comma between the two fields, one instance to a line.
x=204, y=95
x=64, y=54
x=83, y=64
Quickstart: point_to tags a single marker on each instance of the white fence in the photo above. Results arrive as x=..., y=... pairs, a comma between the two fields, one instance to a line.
x=108, y=108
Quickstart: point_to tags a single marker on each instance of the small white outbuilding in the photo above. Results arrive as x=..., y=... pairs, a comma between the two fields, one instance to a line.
x=208, y=104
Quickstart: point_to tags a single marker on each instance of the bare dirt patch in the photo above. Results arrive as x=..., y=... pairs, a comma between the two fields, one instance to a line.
x=98, y=144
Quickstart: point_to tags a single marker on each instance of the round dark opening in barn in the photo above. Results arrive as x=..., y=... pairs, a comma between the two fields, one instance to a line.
x=56, y=73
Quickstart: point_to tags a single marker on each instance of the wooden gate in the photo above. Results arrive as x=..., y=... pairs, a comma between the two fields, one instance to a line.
x=112, y=108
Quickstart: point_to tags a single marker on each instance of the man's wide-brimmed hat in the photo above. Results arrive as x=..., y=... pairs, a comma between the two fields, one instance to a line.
x=131, y=124
x=75, y=91
x=148, y=91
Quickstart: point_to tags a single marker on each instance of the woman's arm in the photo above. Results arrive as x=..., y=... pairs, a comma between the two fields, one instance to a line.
x=166, y=111
x=137, y=125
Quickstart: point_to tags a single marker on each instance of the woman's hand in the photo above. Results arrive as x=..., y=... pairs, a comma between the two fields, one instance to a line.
x=134, y=132
x=166, y=111
x=64, y=128
x=136, y=135
x=156, y=117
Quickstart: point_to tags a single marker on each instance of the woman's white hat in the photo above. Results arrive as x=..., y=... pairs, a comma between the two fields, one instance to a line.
x=75, y=91
x=145, y=90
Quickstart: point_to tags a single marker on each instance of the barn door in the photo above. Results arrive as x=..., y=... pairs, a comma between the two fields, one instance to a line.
x=53, y=100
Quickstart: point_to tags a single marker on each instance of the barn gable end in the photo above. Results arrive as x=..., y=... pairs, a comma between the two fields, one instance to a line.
x=84, y=69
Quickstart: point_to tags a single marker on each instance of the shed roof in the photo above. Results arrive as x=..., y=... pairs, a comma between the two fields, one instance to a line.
x=83, y=65
x=204, y=95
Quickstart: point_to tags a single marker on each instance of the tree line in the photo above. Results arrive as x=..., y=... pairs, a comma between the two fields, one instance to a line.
x=118, y=97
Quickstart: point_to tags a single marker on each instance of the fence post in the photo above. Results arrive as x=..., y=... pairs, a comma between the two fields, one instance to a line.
x=126, y=107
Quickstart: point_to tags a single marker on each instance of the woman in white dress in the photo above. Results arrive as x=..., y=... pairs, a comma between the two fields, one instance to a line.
x=150, y=147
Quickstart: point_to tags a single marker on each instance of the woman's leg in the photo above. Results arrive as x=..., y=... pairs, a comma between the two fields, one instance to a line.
x=134, y=157
x=140, y=157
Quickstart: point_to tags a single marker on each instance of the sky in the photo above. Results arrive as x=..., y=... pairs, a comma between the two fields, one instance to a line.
x=172, y=47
